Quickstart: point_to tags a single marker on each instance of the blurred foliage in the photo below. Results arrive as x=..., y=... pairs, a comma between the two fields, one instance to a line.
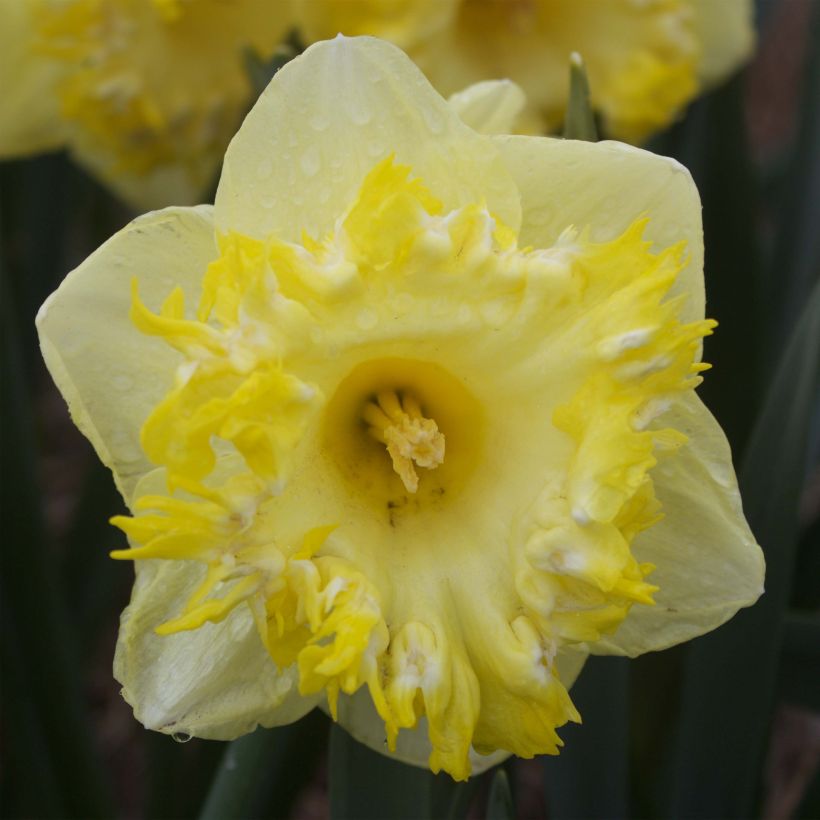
x=696, y=731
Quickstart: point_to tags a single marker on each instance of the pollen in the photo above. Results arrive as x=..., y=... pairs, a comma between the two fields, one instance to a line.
x=411, y=438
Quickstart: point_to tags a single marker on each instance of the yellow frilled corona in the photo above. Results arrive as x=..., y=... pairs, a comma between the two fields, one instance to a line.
x=406, y=422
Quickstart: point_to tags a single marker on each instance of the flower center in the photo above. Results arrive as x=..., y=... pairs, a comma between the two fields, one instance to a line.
x=409, y=409
x=411, y=438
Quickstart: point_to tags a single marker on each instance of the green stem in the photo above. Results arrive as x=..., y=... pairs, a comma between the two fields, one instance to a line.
x=580, y=120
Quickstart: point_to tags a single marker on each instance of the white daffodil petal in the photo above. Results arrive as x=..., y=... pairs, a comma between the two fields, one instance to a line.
x=110, y=374
x=490, y=107
x=605, y=186
x=702, y=548
x=216, y=682
x=326, y=119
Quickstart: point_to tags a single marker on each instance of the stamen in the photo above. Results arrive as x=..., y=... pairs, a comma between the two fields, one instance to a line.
x=410, y=437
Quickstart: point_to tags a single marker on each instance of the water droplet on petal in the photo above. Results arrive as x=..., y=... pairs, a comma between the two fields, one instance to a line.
x=310, y=162
x=541, y=216
x=122, y=382
x=319, y=122
x=358, y=112
x=433, y=120
x=366, y=319
x=264, y=169
x=181, y=737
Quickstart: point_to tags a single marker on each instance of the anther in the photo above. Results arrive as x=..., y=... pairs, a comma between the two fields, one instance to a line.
x=411, y=439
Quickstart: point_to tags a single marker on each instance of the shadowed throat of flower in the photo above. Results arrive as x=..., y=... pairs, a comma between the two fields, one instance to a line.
x=418, y=454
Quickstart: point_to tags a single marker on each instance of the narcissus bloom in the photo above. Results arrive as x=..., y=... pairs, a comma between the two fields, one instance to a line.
x=646, y=58
x=406, y=422
x=145, y=93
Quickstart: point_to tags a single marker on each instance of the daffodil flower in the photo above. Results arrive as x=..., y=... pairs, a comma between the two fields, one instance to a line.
x=406, y=422
x=646, y=59
x=145, y=93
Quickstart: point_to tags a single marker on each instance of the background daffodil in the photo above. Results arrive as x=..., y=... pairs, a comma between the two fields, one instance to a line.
x=646, y=60
x=406, y=422
x=145, y=94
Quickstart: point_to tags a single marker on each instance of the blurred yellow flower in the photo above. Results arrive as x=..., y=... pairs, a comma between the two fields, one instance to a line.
x=646, y=58
x=145, y=93
x=406, y=422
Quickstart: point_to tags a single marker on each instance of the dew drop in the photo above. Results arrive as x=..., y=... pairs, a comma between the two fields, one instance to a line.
x=375, y=148
x=404, y=302
x=310, y=162
x=541, y=216
x=122, y=446
x=319, y=122
x=181, y=737
x=433, y=120
x=264, y=169
x=366, y=319
x=267, y=202
x=122, y=382
x=359, y=113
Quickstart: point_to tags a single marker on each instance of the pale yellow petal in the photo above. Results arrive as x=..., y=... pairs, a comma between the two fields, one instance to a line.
x=215, y=682
x=490, y=107
x=605, y=186
x=110, y=374
x=326, y=119
x=708, y=563
x=29, y=110
x=725, y=29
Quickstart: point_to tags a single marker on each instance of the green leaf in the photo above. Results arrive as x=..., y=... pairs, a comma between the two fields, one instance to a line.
x=590, y=777
x=261, y=71
x=244, y=763
x=35, y=611
x=99, y=585
x=500, y=803
x=800, y=660
x=265, y=770
x=797, y=208
x=580, y=121
x=731, y=674
x=712, y=143
x=366, y=785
